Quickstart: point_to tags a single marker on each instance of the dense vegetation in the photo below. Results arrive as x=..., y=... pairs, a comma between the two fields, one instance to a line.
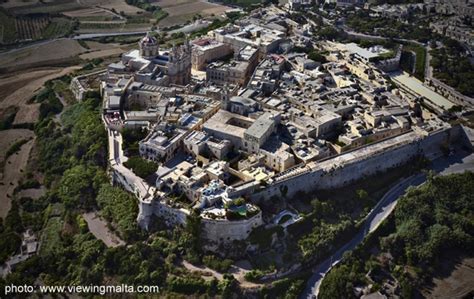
x=82, y=140
x=141, y=167
x=430, y=222
x=362, y=22
x=7, y=117
x=413, y=60
x=453, y=67
x=121, y=208
x=10, y=240
x=243, y=3
x=131, y=137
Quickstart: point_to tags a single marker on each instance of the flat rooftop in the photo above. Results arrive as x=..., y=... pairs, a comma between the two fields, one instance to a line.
x=225, y=121
x=261, y=126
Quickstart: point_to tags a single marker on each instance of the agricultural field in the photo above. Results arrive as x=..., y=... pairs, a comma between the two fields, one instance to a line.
x=182, y=11
x=65, y=15
x=7, y=28
x=119, y=6
x=52, y=7
x=31, y=28
x=92, y=14
x=27, y=28
x=454, y=281
x=44, y=54
x=58, y=27
x=31, y=20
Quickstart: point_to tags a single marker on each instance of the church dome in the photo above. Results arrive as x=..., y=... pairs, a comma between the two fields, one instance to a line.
x=149, y=40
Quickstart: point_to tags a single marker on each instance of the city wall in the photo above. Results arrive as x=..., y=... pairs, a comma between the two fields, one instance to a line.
x=217, y=230
x=330, y=173
x=321, y=177
x=223, y=231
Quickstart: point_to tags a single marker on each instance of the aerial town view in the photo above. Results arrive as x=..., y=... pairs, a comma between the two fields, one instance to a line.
x=237, y=149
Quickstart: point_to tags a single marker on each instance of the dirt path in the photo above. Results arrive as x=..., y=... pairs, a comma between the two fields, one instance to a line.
x=33, y=193
x=14, y=168
x=98, y=227
x=238, y=270
x=203, y=271
x=8, y=137
x=19, y=96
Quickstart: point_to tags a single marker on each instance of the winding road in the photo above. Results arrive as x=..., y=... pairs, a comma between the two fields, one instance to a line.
x=444, y=166
x=378, y=214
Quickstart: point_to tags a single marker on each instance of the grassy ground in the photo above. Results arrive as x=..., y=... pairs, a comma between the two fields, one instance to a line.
x=51, y=235
x=420, y=53
x=58, y=27
x=243, y=3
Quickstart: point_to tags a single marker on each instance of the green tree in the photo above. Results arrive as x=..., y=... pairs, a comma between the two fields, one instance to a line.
x=79, y=184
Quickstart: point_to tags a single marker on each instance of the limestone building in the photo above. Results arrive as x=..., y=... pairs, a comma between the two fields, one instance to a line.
x=207, y=50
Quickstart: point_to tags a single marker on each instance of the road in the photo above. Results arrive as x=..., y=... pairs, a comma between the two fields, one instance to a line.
x=185, y=29
x=458, y=163
x=105, y=34
x=378, y=214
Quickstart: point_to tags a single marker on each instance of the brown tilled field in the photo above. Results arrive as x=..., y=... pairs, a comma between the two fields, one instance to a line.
x=41, y=54
x=102, y=53
x=181, y=11
x=69, y=7
x=56, y=6
x=92, y=13
x=13, y=167
x=118, y=5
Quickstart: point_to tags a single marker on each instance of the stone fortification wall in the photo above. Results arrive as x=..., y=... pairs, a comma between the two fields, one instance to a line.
x=331, y=173
x=217, y=230
x=224, y=231
x=171, y=216
x=346, y=168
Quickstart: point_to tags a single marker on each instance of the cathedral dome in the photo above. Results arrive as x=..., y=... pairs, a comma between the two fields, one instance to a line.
x=148, y=46
x=149, y=40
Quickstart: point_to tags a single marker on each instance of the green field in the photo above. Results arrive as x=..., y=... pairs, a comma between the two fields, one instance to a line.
x=58, y=27
x=243, y=3
x=7, y=28
x=31, y=29
x=420, y=60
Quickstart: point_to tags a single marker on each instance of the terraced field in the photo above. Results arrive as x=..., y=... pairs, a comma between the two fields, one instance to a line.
x=31, y=28
x=26, y=28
